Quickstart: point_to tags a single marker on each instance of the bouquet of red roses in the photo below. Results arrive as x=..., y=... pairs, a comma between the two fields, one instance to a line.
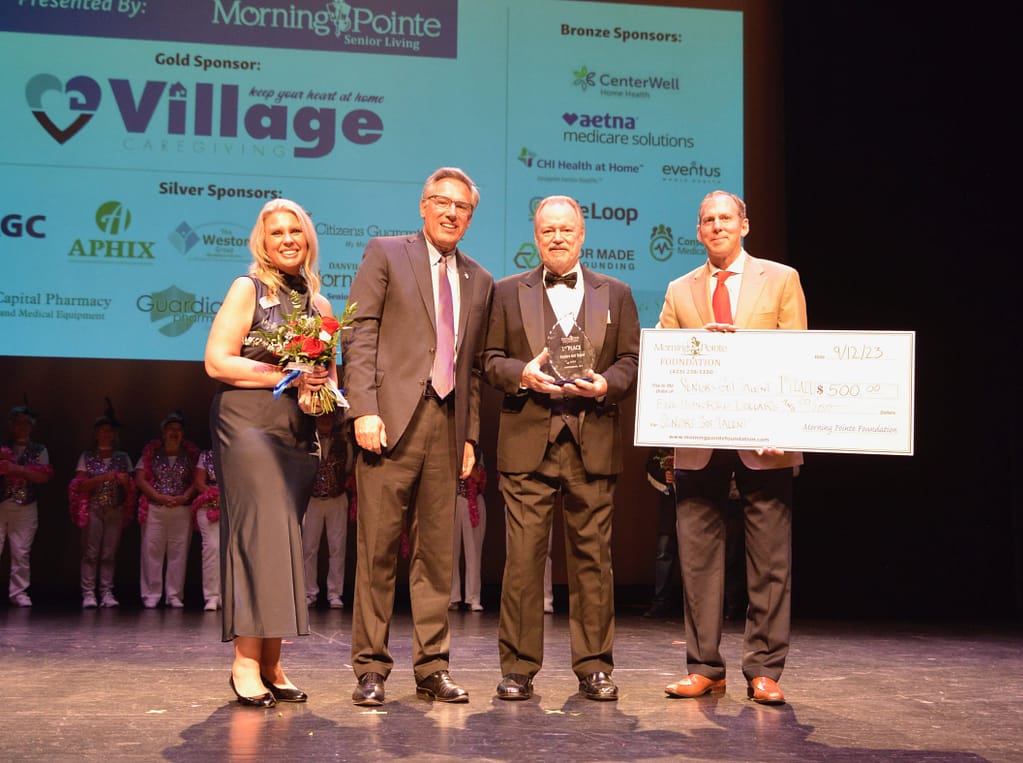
x=303, y=342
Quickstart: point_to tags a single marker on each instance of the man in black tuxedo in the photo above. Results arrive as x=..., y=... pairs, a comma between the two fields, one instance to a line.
x=414, y=392
x=559, y=439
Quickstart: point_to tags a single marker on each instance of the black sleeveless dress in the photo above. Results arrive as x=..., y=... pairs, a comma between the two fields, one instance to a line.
x=265, y=452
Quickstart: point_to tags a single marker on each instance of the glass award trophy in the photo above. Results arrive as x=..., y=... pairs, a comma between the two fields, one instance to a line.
x=571, y=355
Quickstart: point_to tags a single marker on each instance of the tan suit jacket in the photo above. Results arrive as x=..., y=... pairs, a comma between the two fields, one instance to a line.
x=770, y=297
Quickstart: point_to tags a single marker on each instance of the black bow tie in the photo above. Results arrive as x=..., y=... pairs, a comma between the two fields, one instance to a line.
x=569, y=279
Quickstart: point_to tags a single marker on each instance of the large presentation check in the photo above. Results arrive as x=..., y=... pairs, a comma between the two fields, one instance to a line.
x=827, y=391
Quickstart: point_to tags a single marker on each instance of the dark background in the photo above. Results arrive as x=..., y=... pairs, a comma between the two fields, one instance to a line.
x=899, y=205
x=881, y=143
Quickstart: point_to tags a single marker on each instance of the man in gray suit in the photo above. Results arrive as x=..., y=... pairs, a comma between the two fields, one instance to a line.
x=412, y=377
x=559, y=439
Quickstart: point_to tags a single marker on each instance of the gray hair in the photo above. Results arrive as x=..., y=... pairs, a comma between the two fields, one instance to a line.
x=457, y=174
x=739, y=203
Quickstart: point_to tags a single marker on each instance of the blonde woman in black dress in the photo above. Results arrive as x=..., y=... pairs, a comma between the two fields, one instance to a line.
x=265, y=452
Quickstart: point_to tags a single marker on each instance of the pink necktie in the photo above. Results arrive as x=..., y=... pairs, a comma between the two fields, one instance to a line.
x=443, y=378
x=720, y=302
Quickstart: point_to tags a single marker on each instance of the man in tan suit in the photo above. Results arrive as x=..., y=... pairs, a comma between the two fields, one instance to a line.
x=734, y=291
x=414, y=392
x=559, y=440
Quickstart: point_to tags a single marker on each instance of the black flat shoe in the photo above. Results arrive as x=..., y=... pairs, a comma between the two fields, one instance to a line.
x=284, y=694
x=263, y=700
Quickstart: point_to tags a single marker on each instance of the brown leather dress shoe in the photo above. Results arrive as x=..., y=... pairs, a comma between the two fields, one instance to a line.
x=695, y=685
x=515, y=686
x=439, y=686
x=370, y=691
x=599, y=686
x=765, y=691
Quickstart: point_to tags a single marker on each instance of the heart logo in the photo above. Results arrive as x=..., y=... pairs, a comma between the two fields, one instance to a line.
x=570, y=117
x=83, y=96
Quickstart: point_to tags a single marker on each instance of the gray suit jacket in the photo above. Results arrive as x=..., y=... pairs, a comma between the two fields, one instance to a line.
x=516, y=335
x=389, y=356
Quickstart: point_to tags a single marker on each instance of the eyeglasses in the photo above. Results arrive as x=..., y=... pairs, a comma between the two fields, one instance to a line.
x=443, y=204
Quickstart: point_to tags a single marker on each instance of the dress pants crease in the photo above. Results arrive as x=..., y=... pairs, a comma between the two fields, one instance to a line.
x=416, y=482
x=702, y=503
x=587, y=514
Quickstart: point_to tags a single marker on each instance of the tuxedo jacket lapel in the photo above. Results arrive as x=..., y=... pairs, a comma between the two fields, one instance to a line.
x=531, y=294
x=597, y=304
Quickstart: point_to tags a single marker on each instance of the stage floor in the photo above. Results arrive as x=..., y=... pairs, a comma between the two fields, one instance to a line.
x=102, y=685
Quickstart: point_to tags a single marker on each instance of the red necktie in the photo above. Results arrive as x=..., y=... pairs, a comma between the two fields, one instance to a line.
x=720, y=302
x=443, y=377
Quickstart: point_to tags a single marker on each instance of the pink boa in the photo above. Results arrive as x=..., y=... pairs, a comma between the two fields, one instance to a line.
x=208, y=501
x=6, y=454
x=78, y=501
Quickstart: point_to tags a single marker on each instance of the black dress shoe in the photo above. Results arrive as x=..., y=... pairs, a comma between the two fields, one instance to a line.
x=598, y=686
x=284, y=694
x=515, y=686
x=439, y=686
x=370, y=691
x=263, y=700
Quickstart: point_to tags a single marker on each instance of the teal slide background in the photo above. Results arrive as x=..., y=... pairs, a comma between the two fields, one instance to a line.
x=116, y=244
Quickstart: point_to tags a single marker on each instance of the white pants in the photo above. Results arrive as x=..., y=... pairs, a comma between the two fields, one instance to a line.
x=209, y=532
x=18, y=524
x=166, y=534
x=472, y=539
x=330, y=514
x=100, y=539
